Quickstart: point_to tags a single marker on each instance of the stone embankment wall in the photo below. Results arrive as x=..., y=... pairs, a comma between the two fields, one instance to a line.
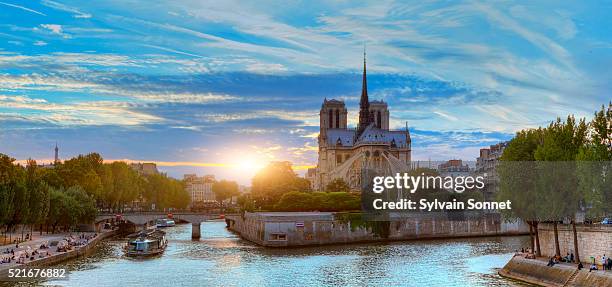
x=593, y=240
x=74, y=253
x=317, y=228
x=56, y=258
x=535, y=271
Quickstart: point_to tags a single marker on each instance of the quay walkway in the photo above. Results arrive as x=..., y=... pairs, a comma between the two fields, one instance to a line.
x=23, y=255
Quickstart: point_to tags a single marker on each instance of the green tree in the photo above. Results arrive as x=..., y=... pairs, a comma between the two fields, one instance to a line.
x=337, y=185
x=39, y=195
x=516, y=182
x=225, y=189
x=85, y=211
x=274, y=180
x=561, y=143
x=10, y=179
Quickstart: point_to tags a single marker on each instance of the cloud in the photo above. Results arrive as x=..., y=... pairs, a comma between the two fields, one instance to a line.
x=59, y=6
x=22, y=8
x=74, y=114
x=54, y=28
x=40, y=43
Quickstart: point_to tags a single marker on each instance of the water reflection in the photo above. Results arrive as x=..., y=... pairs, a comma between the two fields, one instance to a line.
x=222, y=258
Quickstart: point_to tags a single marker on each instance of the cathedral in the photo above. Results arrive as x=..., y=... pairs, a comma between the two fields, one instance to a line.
x=346, y=153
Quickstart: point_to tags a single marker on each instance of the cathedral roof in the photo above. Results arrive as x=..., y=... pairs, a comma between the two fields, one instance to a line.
x=371, y=135
x=344, y=135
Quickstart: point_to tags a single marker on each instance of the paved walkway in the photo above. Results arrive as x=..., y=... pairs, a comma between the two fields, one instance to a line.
x=27, y=247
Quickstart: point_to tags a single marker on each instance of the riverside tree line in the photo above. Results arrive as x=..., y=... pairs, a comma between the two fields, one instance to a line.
x=553, y=173
x=73, y=191
x=277, y=187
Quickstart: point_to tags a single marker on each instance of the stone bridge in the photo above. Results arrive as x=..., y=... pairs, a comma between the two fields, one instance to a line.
x=142, y=218
x=146, y=218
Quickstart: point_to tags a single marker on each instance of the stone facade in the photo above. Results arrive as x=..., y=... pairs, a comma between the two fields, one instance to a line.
x=346, y=152
x=593, y=240
x=277, y=229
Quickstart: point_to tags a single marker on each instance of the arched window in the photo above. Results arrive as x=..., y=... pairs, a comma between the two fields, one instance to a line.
x=378, y=120
x=337, y=119
x=331, y=117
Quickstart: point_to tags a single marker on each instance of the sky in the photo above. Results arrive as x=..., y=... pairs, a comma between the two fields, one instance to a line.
x=223, y=87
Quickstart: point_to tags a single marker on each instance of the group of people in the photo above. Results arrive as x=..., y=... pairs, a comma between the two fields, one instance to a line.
x=21, y=256
x=606, y=262
x=71, y=241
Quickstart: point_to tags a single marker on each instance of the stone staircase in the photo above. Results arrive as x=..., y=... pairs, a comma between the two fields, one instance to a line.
x=570, y=280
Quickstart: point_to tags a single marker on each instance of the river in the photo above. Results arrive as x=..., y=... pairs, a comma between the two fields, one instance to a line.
x=221, y=258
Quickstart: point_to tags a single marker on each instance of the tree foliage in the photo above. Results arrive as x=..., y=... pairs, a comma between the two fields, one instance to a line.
x=273, y=181
x=337, y=185
x=225, y=189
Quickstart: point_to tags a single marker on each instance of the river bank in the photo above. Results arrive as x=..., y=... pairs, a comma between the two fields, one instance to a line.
x=536, y=271
x=51, y=255
x=292, y=229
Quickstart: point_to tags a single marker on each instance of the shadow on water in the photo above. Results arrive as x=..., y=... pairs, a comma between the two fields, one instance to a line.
x=220, y=257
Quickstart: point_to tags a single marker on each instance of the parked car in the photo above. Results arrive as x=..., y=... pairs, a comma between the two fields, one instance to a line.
x=606, y=221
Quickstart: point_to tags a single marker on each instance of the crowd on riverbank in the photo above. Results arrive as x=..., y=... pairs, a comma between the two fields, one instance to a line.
x=41, y=247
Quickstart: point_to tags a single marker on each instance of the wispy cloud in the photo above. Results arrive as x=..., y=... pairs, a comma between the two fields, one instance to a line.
x=22, y=8
x=59, y=6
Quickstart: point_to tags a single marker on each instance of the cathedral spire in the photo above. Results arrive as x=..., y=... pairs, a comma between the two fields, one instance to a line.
x=365, y=117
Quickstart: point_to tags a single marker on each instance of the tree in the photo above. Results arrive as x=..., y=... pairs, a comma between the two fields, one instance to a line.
x=225, y=189
x=561, y=143
x=318, y=201
x=276, y=179
x=337, y=185
x=86, y=210
x=10, y=179
x=39, y=195
x=516, y=181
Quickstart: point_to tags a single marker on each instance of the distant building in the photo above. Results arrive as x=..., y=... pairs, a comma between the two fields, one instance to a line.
x=146, y=168
x=454, y=168
x=486, y=165
x=56, y=159
x=199, y=188
x=311, y=176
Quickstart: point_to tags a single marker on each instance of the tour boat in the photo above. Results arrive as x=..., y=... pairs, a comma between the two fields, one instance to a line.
x=146, y=243
x=164, y=222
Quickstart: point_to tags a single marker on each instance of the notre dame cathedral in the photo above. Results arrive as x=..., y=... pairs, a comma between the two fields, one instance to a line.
x=344, y=152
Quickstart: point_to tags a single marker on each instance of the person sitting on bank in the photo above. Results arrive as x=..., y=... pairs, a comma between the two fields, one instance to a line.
x=566, y=258
x=551, y=262
x=580, y=266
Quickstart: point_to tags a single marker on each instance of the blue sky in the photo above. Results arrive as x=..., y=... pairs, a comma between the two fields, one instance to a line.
x=200, y=87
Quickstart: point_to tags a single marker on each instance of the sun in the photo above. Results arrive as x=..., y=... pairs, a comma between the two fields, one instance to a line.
x=248, y=165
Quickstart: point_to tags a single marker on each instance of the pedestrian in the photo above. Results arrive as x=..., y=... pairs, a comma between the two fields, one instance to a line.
x=604, y=262
x=572, y=257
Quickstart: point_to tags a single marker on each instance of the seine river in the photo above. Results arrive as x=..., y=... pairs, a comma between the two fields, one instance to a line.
x=221, y=258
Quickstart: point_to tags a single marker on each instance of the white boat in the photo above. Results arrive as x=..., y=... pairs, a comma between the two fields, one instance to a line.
x=164, y=222
x=146, y=243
